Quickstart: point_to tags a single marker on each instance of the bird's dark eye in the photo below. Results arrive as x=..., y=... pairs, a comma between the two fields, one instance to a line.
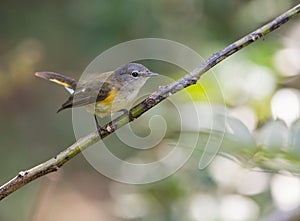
x=135, y=74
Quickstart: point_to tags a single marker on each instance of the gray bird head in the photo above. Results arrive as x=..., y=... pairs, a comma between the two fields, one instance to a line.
x=133, y=73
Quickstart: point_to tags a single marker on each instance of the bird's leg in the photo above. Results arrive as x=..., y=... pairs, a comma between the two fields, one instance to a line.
x=129, y=114
x=99, y=128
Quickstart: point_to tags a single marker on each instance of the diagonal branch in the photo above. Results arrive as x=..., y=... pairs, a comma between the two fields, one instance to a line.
x=162, y=93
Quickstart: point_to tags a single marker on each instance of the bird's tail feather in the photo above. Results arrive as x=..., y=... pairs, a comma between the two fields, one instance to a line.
x=67, y=82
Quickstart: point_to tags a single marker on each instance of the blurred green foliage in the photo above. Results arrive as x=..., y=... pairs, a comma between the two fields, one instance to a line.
x=64, y=36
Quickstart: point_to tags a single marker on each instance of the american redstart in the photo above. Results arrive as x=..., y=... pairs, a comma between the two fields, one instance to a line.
x=103, y=93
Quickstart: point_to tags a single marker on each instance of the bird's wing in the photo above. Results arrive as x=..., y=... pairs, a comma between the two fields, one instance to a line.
x=89, y=92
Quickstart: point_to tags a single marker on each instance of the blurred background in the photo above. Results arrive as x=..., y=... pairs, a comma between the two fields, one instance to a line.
x=255, y=175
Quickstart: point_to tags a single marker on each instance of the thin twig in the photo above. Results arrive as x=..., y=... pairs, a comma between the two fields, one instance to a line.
x=162, y=93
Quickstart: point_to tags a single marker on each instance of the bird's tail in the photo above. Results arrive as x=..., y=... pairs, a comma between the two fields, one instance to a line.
x=67, y=82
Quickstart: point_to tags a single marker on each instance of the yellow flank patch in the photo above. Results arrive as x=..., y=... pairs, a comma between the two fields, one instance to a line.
x=60, y=82
x=110, y=97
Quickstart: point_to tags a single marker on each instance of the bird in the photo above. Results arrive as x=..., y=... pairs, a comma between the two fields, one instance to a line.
x=103, y=93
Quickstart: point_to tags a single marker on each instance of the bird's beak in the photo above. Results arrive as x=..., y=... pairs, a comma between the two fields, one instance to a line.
x=151, y=74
